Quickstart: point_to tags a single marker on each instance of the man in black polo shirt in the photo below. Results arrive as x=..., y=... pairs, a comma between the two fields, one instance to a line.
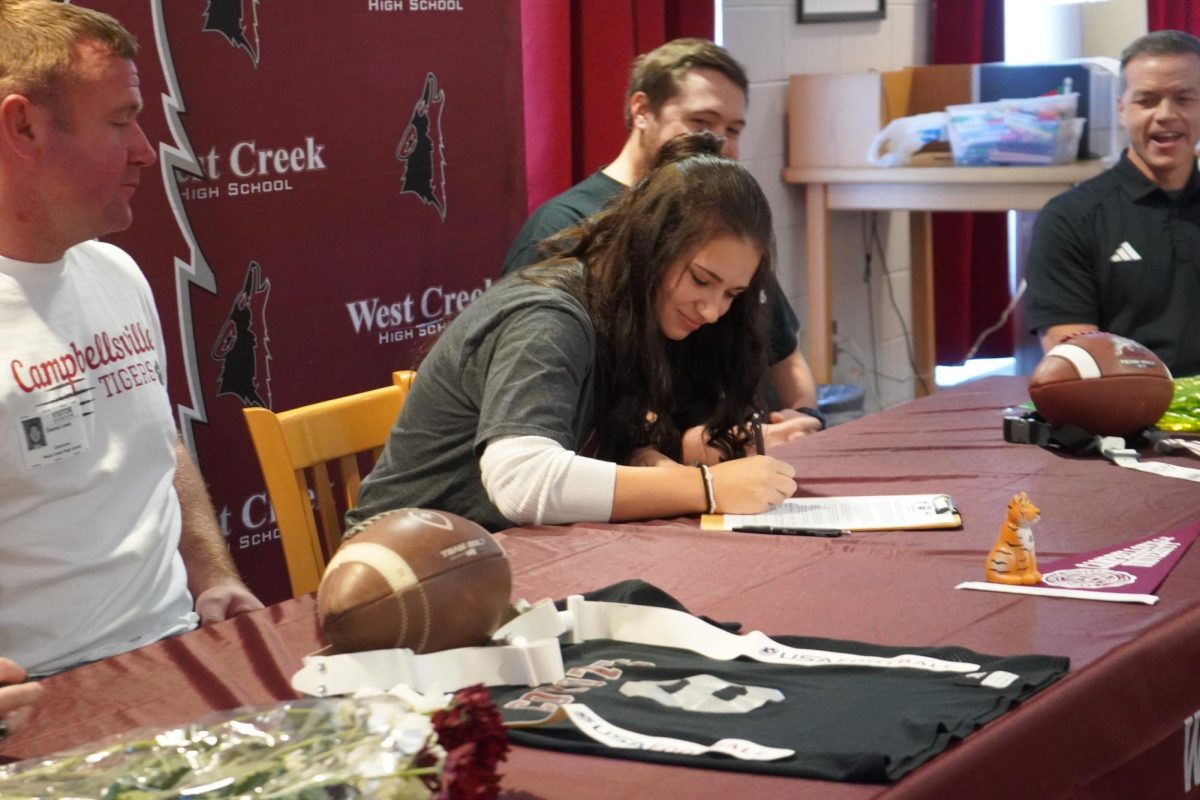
x=1121, y=252
x=683, y=86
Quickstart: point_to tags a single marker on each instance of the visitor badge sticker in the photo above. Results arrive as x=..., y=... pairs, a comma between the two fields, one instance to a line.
x=1124, y=573
x=54, y=434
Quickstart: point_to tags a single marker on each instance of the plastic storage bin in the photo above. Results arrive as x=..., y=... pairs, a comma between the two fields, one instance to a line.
x=1034, y=130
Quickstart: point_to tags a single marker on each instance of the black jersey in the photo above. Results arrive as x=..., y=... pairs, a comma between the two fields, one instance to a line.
x=814, y=708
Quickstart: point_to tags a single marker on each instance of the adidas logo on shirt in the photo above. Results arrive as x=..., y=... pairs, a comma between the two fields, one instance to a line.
x=1125, y=253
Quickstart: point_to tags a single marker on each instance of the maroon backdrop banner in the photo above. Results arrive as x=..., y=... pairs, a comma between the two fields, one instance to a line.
x=336, y=182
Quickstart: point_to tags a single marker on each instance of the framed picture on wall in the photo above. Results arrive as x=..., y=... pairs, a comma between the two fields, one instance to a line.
x=839, y=10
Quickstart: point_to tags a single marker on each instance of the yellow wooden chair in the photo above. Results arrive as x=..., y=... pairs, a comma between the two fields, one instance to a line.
x=296, y=449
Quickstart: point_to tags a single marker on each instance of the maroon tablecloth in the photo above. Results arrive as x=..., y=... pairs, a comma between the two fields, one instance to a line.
x=1114, y=727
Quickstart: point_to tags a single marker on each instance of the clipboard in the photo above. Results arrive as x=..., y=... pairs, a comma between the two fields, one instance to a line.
x=857, y=513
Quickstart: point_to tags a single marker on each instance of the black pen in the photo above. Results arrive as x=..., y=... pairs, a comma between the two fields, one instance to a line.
x=825, y=533
x=756, y=426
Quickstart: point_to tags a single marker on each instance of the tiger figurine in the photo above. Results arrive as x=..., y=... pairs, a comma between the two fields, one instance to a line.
x=1013, y=559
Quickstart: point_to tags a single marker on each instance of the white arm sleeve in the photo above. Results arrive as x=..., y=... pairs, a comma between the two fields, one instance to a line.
x=535, y=481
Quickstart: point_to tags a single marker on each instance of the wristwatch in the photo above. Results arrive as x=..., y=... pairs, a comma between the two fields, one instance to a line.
x=815, y=414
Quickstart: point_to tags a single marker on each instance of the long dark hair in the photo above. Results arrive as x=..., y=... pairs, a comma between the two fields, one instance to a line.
x=650, y=389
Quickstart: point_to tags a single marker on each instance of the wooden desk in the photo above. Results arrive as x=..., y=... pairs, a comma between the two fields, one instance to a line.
x=919, y=190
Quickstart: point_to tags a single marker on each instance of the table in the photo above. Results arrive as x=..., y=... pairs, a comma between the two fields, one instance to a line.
x=1113, y=727
x=919, y=190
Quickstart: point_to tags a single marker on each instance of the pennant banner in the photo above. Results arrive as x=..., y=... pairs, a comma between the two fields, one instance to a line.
x=1124, y=573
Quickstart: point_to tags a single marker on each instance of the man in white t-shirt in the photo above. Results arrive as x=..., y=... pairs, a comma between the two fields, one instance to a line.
x=108, y=540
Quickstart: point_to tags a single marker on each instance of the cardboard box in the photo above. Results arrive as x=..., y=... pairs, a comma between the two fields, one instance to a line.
x=832, y=118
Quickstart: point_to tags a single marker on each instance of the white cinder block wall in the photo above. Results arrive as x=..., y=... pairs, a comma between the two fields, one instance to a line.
x=764, y=35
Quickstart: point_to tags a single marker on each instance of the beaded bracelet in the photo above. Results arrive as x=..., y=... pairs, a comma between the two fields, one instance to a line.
x=709, y=494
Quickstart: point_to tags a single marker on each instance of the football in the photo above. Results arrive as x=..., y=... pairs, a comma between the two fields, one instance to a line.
x=417, y=579
x=1106, y=384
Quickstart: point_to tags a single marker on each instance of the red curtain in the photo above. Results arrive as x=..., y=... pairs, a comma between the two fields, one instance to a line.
x=1180, y=15
x=576, y=60
x=970, y=251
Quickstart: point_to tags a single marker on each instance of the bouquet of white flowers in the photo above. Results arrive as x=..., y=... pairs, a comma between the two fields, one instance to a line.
x=396, y=745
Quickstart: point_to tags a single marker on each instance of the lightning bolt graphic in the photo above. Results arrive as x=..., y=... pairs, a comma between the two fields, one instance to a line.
x=195, y=269
x=253, y=30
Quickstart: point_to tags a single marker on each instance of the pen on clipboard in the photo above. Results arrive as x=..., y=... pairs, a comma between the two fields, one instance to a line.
x=823, y=533
x=756, y=425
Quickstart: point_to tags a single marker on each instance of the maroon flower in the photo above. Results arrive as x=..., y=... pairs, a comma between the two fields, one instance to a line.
x=472, y=734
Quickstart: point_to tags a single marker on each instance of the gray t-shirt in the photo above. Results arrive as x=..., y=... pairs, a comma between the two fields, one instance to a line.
x=518, y=362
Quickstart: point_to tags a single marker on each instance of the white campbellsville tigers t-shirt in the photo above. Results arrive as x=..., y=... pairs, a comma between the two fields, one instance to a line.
x=89, y=517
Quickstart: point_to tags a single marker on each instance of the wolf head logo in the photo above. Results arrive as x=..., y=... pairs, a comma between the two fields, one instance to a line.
x=237, y=21
x=241, y=343
x=420, y=149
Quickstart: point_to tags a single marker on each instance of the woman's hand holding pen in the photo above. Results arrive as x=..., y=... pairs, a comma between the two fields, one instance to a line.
x=750, y=485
